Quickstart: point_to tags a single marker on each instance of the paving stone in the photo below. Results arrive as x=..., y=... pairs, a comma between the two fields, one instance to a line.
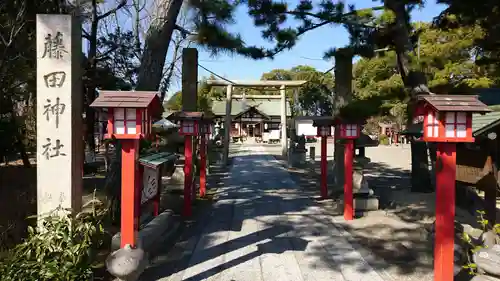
x=265, y=228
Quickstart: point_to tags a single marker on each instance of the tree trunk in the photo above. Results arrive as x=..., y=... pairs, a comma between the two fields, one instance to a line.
x=343, y=94
x=156, y=44
x=19, y=144
x=91, y=76
x=149, y=78
x=416, y=83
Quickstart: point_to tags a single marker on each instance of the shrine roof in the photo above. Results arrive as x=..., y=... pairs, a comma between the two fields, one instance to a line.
x=125, y=99
x=189, y=115
x=269, y=107
x=461, y=103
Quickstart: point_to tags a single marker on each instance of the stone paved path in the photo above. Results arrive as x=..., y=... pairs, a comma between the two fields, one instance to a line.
x=264, y=228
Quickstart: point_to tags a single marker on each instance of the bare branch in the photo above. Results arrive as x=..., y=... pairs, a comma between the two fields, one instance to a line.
x=85, y=34
x=106, y=54
x=114, y=10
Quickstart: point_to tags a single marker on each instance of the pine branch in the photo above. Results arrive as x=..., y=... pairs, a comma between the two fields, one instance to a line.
x=270, y=15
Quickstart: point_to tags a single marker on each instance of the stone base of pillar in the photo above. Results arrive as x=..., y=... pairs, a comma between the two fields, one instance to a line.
x=363, y=203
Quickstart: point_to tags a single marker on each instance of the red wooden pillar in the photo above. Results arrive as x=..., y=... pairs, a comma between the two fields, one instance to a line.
x=139, y=186
x=188, y=166
x=129, y=192
x=348, y=196
x=203, y=166
x=445, y=211
x=324, y=165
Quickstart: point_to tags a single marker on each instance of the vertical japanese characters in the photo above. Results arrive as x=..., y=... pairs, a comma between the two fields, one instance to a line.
x=53, y=109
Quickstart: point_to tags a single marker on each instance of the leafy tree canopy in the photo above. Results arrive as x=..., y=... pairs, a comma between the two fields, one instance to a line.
x=446, y=57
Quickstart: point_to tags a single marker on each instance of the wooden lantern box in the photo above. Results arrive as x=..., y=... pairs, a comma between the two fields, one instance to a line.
x=130, y=113
x=448, y=118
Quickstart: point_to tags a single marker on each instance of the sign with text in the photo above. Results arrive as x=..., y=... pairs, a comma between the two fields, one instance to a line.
x=59, y=118
x=150, y=184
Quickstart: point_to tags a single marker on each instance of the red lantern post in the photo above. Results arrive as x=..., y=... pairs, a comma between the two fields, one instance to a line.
x=128, y=115
x=324, y=130
x=348, y=131
x=447, y=121
x=191, y=125
x=205, y=130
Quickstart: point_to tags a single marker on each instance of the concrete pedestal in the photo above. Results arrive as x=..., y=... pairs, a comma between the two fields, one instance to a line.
x=365, y=203
x=364, y=198
x=297, y=157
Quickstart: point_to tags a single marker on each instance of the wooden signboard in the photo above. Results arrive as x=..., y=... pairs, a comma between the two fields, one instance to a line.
x=472, y=165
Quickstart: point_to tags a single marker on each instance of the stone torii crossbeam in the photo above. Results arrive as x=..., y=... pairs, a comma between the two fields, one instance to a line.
x=282, y=85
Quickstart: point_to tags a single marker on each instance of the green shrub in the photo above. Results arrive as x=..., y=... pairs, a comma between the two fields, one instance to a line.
x=383, y=139
x=65, y=248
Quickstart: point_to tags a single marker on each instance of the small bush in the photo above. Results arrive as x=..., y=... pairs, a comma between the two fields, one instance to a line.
x=383, y=140
x=65, y=248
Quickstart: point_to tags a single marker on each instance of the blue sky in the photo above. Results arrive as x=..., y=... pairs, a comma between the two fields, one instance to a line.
x=308, y=51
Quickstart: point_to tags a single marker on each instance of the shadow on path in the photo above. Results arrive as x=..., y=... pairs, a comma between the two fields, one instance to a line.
x=264, y=226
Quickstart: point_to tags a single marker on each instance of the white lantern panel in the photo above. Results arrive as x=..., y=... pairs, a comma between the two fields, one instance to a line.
x=430, y=130
x=188, y=127
x=450, y=130
x=131, y=114
x=450, y=117
x=461, y=117
x=119, y=127
x=348, y=132
x=131, y=129
x=461, y=131
x=436, y=130
x=430, y=118
x=119, y=113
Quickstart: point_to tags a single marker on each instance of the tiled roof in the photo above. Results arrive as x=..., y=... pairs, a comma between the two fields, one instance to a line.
x=195, y=115
x=125, y=99
x=481, y=122
x=270, y=107
x=463, y=103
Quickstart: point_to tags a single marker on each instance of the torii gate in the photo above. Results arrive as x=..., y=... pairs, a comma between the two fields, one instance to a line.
x=282, y=85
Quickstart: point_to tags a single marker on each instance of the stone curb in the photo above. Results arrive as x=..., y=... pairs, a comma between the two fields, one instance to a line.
x=159, y=229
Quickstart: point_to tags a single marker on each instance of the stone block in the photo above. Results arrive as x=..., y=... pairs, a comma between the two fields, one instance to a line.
x=127, y=264
x=488, y=260
x=176, y=180
x=484, y=278
x=360, y=184
x=297, y=158
x=312, y=154
x=366, y=203
x=152, y=232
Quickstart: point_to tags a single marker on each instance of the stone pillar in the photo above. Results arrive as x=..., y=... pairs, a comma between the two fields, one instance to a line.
x=59, y=113
x=312, y=154
x=362, y=152
x=284, y=137
x=343, y=94
x=189, y=79
x=227, y=123
x=190, y=90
